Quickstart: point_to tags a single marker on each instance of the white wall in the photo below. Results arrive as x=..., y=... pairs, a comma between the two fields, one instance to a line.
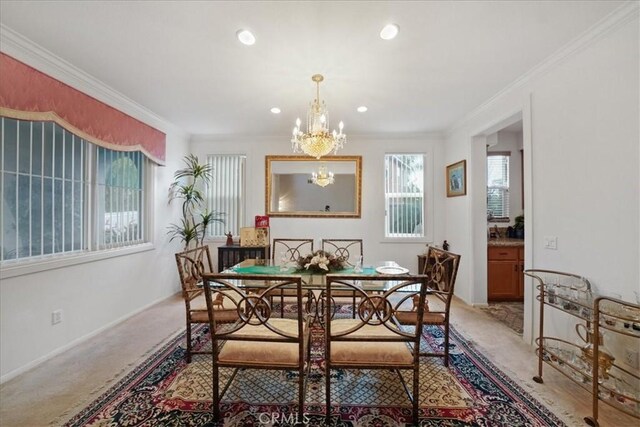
x=92, y=295
x=582, y=115
x=370, y=226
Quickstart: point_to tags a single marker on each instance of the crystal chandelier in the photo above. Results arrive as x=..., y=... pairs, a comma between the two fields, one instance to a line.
x=317, y=141
x=322, y=177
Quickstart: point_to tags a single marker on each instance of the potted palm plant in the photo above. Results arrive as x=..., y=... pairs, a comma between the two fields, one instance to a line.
x=188, y=187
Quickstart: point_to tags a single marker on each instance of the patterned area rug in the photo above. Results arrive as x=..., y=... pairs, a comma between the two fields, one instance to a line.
x=509, y=313
x=165, y=391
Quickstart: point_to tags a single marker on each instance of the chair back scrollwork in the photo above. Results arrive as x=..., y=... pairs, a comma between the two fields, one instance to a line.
x=441, y=266
x=377, y=309
x=349, y=249
x=192, y=264
x=291, y=249
x=253, y=305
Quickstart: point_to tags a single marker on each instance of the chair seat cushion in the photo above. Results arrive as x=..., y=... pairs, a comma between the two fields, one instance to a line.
x=261, y=353
x=222, y=316
x=428, y=318
x=199, y=313
x=199, y=303
x=367, y=353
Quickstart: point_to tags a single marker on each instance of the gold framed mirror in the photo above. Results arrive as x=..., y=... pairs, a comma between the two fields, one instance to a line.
x=302, y=186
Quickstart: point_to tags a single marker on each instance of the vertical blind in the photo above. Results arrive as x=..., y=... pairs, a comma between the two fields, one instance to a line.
x=404, y=195
x=498, y=185
x=227, y=192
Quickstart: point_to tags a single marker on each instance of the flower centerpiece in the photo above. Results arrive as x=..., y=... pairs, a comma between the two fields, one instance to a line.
x=321, y=262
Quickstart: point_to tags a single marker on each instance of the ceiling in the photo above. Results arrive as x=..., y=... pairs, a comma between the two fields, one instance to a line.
x=182, y=60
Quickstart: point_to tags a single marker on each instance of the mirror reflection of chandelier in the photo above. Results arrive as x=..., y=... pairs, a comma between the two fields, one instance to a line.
x=322, y=177
x=317, y=141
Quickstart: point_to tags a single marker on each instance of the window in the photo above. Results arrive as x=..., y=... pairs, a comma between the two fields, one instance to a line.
x=47, y=192
x=404, y=195
x=498, y=186
x=227, y=193
x=120, y=197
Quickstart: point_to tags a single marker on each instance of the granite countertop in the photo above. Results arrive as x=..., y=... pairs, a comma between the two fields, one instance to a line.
x=505, y=241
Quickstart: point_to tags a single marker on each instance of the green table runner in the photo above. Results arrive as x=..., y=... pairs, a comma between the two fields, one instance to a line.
x=275, y=270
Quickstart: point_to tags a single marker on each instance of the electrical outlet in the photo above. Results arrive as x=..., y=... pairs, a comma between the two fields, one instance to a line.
x=56, y=317
x=631, y=358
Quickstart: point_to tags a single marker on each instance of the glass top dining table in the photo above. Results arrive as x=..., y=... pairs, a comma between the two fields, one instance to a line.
x=314, y=284
x=310, y=280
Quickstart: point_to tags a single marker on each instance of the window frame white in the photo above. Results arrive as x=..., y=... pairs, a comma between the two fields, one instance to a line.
x=428, y=198
x=90, y=223
x=506, y=189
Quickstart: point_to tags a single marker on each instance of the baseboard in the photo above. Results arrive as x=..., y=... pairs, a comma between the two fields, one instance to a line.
x=12, y=374
x=480, y=304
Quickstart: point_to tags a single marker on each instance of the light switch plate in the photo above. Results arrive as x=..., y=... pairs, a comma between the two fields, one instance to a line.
x=56, y=317
x=551, y=242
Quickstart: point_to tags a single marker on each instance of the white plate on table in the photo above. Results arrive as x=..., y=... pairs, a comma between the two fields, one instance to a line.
x=392, y=269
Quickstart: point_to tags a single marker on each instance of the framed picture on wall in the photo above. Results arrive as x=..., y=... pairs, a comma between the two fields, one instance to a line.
x=457, y=179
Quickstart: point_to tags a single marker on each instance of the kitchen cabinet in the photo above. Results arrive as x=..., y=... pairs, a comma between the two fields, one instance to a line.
x=505, y=281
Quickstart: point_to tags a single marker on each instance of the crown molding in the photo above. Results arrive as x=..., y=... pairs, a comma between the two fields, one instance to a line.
x=285, y=138
x=23, y=49
x=614, y=20
x=239, y=137
x=399, y=136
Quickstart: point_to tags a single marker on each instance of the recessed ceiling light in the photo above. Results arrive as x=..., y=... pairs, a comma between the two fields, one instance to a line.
x=246, y=37
x=362, y=109
x=275, y=110
x=390, y=31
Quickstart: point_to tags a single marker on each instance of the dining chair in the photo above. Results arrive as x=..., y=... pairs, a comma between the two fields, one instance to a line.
x=192, y=264
x=349, y=249
x=291, y=249
x=441, y=267
x=374, y=340
x=257, y=339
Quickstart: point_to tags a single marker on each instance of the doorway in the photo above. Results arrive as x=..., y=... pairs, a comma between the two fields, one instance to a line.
x=505, y=226
x=505, y=137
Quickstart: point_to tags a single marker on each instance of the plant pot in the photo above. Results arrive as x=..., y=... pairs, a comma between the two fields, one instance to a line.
x=519, y=233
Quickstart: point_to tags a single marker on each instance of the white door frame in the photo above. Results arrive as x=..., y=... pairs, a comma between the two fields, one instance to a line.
x=478, y=207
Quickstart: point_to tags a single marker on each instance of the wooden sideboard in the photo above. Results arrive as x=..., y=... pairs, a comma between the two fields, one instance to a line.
x=228, y=256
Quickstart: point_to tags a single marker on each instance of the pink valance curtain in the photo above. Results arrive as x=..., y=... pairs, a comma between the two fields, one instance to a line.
x=28, y=94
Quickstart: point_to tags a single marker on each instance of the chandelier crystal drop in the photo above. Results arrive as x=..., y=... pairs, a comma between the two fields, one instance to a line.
x=317, y=141
x=322, y=177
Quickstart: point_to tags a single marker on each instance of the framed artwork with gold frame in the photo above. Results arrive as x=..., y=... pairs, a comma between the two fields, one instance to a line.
x=457, y=179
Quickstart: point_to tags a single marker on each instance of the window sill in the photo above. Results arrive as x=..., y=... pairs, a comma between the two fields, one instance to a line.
x=53, y=262
x=499, y=220
x=417, y=240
